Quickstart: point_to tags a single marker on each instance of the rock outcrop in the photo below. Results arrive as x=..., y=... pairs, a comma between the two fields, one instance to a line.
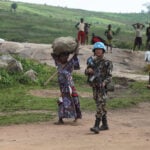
x=126, y=63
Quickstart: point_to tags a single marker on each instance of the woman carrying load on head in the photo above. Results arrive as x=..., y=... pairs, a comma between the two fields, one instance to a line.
x=68, y=103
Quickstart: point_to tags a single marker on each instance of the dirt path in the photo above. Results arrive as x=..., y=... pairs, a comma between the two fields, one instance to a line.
x=129, y=130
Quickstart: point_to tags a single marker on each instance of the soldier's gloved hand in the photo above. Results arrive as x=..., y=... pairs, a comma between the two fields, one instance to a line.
x=90, y=71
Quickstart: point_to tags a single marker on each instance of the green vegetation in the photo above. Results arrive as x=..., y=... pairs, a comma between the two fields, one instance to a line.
x=23, y=118
x=136, y=93
x=18, y=105
x=43, y=23
x=147, y=68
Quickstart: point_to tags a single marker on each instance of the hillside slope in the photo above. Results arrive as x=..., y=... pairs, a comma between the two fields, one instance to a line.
x=43, y=23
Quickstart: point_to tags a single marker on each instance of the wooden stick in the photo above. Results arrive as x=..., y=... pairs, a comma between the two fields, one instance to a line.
x=149, y=77
x=51, y=77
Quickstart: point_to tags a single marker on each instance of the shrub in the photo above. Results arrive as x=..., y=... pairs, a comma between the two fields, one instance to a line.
x=147, y=68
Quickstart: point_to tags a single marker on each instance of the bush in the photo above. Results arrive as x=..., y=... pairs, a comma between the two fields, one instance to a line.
x=147, y=68
x=5, y=79
x=8, y=79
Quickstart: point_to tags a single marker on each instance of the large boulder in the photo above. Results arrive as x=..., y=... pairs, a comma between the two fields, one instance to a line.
x=31, y=74
x=4, y=60
x=14, y=66
x=11, y=47
x=64, y=45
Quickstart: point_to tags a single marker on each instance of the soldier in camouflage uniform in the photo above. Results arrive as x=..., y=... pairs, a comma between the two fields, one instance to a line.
x=99, y=75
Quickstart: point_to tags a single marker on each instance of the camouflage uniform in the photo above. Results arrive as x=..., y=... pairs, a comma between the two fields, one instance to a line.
x=104, y=68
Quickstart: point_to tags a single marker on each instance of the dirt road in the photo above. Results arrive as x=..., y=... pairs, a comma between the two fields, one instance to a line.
x=129, y=130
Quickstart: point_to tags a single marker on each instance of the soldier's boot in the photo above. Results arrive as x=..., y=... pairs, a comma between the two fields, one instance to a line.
x=95, y=129
x=104, y=125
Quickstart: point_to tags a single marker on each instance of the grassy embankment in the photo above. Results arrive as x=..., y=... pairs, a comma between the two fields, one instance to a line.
x=18, y=105
x=42, y=24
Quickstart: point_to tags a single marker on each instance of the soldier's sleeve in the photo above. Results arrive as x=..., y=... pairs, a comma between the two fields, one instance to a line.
x=109, y=66
x=90, y=64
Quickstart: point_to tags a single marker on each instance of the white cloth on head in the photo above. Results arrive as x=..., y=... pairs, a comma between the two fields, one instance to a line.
x=2, y=40
x=147, y=56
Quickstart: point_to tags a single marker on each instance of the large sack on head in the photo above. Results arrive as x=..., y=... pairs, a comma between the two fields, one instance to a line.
x=64, y=45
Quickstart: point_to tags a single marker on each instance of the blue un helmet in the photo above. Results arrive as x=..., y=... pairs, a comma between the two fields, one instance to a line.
x=98, y=45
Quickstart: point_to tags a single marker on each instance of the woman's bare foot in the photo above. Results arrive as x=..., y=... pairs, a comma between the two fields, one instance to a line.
x=60, y=122
x=75, y=120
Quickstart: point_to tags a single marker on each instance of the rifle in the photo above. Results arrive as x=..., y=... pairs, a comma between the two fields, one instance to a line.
x=96, y=77
x=149, y=77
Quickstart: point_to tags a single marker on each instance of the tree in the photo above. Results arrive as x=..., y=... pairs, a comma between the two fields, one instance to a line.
x=13, y=7
x=147, y=5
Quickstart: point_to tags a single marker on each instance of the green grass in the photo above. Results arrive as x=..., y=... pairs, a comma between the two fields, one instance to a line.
x=19, y=105
x=43, y=23
x=24, y=118
x=16, y=100
x=136, y=93
x=19, y=99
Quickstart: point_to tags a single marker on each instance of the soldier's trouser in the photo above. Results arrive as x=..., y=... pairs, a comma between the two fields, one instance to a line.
x=100, y=101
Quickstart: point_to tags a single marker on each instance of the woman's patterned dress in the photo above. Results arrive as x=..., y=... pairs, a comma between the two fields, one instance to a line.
x=68, y=105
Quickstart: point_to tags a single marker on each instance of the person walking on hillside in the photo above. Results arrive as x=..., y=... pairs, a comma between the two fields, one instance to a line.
x=147, y=56
x=96, y=38
x=138, y=35
x=99, y=72
x=148, y=36
x=86, y=30
x=68, y=103
x=81, y=31
x=109, y=35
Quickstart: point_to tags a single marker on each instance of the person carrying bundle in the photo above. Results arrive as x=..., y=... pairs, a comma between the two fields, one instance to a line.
x=68, y=102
